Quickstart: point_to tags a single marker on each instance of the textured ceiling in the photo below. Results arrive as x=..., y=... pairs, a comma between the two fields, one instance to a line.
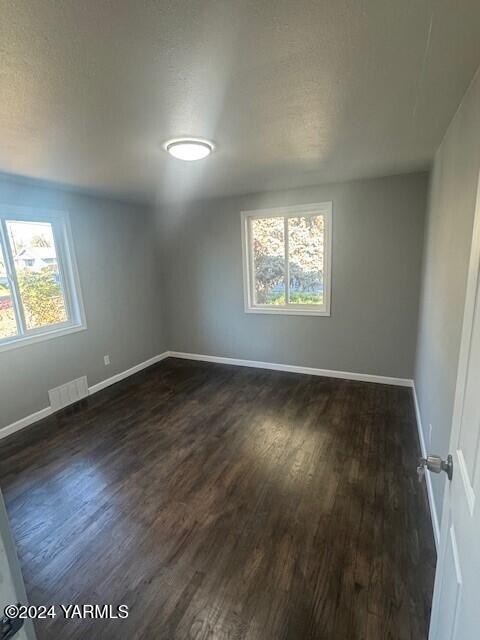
x=293, y=92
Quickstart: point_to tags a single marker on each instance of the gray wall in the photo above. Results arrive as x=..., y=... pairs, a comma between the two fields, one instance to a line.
x=377, y=242
x=184, y=287
x=117, y=257
x=447, y=249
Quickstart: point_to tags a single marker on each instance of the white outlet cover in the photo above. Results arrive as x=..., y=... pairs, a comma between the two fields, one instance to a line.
x=106, y=359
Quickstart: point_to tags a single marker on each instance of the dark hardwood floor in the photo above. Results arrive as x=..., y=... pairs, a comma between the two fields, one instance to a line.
x=223, y=503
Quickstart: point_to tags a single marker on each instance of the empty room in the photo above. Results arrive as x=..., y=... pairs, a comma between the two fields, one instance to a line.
x=239, y=341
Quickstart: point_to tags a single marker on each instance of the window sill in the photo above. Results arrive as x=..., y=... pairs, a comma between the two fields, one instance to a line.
x=24, y=341
x=288, y=311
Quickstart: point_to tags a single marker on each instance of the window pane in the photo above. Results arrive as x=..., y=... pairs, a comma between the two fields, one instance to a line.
x=269, y=260
x=8, y=323
x=306, y=238
x=36, y=266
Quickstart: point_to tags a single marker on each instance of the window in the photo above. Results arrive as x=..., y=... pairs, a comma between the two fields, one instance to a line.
x=39, y=288
x=287, y=256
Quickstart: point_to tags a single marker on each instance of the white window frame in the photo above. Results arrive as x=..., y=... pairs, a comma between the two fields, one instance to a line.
x=68, y=272
x=324, y=209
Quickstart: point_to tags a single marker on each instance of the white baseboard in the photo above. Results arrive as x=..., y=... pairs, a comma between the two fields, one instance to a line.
x=128, y=372
x=428, y=478
x=312, y=371
x=47, y=411
x=362, y=377
x=25, y=422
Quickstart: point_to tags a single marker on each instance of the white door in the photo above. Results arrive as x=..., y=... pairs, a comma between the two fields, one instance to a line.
x=12, y=590
x=456, y=598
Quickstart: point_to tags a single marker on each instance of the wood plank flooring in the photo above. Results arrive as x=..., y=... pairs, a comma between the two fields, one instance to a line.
x=221, y=503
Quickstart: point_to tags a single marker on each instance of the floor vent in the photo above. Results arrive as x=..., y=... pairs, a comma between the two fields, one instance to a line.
x=68, y=393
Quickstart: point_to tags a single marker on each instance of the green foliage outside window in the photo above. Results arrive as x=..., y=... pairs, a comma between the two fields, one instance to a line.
x=42, y=298
x=305, y=259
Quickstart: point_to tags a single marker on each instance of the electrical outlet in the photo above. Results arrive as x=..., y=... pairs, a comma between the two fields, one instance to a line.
x=430, y=429
x=106, y=360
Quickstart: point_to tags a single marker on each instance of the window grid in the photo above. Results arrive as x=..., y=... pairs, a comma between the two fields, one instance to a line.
x=65, y=276
x=251, y=306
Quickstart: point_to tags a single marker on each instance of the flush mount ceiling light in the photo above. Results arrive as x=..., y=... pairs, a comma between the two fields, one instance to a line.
x=189, y=149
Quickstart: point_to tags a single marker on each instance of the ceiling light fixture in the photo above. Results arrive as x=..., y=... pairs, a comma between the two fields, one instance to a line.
x=189, y=149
